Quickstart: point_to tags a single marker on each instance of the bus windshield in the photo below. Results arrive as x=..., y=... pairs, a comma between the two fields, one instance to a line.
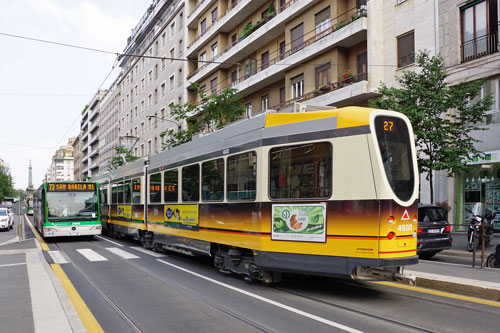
x=72, y=206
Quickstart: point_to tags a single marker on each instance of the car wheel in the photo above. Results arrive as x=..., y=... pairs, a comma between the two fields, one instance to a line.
x=492, y=262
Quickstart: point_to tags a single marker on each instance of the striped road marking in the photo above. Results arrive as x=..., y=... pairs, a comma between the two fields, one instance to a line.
x=58, y=257
x=149, y=252
x=108, y=240
x=91, y=255
x=121, y=253
x=16, y=264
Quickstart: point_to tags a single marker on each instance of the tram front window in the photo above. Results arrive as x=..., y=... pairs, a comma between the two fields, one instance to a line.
x=72, y=205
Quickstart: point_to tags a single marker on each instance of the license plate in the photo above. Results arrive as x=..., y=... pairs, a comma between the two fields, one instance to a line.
x=434, y=231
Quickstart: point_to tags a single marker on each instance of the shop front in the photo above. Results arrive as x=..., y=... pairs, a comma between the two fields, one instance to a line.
x=480, y=184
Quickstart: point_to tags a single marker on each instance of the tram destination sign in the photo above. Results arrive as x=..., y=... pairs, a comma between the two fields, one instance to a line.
x=70, y=187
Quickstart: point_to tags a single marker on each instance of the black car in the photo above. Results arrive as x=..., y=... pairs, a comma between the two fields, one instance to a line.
x=433, y=234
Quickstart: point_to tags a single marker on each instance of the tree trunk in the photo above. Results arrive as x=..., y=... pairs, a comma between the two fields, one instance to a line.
x=431, y=185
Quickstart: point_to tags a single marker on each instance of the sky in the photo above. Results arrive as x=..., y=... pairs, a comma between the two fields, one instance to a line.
x=44, y=87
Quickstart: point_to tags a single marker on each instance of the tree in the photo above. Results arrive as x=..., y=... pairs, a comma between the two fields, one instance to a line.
x=117, y=160
x=442, y=116
x=212, y=112
x=6, y=183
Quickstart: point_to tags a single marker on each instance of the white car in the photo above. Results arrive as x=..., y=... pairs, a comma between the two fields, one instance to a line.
x=6, y=219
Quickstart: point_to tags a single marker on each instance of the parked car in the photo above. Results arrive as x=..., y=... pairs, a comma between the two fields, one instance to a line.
x=434, y=232
x=6, y=219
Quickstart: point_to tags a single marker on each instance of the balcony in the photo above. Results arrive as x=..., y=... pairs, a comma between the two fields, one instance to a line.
x=479, y=47
x=347, y=91
x=94, y=166
x=93, y=139
x=85, y=158
x=93, y=153
x=93, y=114
x=85, y=147
x=349, y=29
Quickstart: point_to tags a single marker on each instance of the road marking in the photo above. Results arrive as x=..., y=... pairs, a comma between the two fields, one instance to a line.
x=121, y=253
x=107, y=240
x=44, y=245
x=266, y=300
x=87, y=318
x=91, y=255
x=58, y=257
x=16, y=264
x=149, y=252
x=439, y=293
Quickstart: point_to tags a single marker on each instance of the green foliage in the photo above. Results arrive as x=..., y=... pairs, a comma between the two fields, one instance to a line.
x=442, y=116
x=6, y=184
x=117, y=161
x=212, y=112
x=247, y=30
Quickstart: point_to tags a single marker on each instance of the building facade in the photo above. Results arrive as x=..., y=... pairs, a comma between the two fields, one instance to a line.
x=108, y=126
x=470, y=47
x=77, y=159
x=61, y=167
x=152, y=80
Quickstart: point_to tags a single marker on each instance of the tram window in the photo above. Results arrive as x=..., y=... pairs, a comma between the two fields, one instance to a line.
x=242, y=176
x=104, y=195
x=191, y=183
x=114, y=193
x=212, y=175
x=171, y=179
x=301, y=172
x=127, y=192
x=120, y=193
x=155, y=187
x=136, y=191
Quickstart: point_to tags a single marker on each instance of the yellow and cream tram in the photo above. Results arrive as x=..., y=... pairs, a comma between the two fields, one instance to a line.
x=325, y=192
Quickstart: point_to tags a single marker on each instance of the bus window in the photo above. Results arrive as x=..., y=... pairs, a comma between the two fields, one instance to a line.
x=191, y=183
x=170, y=188
x=301, y=172
x=212, y=177
x=127, y=192
x=155, y=187
x=136, y=191
x=242, y=176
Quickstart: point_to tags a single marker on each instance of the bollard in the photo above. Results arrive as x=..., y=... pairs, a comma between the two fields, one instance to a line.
x=20, y=232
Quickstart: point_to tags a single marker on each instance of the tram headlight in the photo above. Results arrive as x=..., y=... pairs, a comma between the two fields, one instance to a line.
x=390, y=219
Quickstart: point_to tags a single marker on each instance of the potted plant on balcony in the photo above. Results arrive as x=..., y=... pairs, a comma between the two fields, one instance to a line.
x=247, y=30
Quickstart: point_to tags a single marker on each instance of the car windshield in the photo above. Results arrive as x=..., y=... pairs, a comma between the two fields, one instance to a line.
x=72, y=205
x=431, y=214
x=3, y=212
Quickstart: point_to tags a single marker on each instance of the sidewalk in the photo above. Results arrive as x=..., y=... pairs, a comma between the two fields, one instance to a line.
x=33, y=299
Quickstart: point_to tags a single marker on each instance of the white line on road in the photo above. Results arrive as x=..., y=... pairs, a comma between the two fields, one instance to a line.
x=91, y=255
x=107, y=240
x=16, y=264
x=121, y=253
x=151, y=253
x=267, y=300
x=58, y=257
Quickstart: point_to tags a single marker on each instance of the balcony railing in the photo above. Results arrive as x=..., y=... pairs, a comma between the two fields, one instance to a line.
x=313, y=36
x=479, y=47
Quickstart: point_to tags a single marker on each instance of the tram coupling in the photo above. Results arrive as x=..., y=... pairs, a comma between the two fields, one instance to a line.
x=373, y=273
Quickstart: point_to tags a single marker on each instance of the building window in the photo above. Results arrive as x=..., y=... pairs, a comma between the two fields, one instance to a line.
x=172, y=54
x=264, y=58
x=172, y=29
x=362, y=61
x=163, y=39
x=249, y=109
x=180, y=47
x=264, y=102
x=163, y=89
x=234, y=78
x=214, y=15
x=203, y=26
x=282, y=95
x=323, y=22
x=406, y=49
x=214, y=50
x=297, y=86
x=234, y=39
x=213, y=86
x=203, y=58
x=179, y=77
x=322, y=75
x=479, y=29
x=181, y=21
x=163, y=62
x=297, y=37
x=172, y=82
x=282, y=50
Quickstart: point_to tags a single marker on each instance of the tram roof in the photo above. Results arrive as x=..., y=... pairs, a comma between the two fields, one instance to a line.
x=247, y=134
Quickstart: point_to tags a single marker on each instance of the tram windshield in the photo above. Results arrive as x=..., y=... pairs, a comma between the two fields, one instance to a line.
x=72, y=206
x=395, y=148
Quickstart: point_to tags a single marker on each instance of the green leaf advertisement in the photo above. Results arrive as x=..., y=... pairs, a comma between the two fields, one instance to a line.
x=306, y=223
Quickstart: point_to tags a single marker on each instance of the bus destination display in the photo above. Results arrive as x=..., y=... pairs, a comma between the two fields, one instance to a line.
x=66, y=187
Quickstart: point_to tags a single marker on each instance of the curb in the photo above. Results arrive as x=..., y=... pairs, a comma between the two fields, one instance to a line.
x=466, y=287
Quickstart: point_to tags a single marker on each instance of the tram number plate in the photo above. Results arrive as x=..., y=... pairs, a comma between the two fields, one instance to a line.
x=434, y=231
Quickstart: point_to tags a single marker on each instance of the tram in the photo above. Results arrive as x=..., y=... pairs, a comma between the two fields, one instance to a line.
x=328, y=193
x=67, y=209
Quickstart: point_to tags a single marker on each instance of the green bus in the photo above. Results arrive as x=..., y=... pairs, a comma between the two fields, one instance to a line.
x=67, y=209
x=29, y=203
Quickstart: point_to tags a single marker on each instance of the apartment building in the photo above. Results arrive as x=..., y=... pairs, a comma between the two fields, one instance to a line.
x=89, y=126
x=77, y=158
x=152, y=78
x=108, y=126
x=324, y=53
x=470, y=47
x=61, y=167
